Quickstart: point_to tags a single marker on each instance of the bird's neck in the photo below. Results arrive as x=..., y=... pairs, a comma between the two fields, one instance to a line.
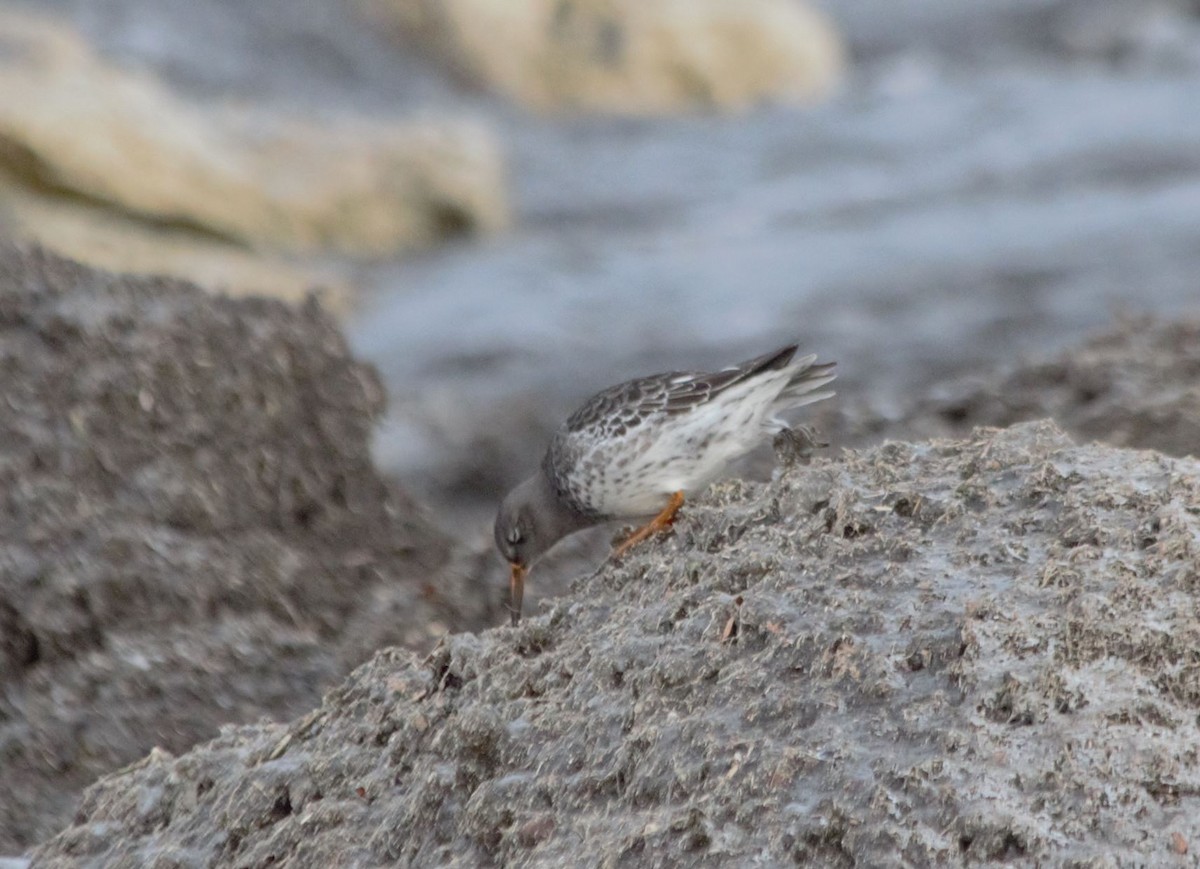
x=558, y=517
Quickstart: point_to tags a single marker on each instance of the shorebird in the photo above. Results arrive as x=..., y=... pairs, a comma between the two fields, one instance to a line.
x=637, y=449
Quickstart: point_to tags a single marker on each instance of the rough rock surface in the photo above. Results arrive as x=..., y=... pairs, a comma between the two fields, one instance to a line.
x=628, y=56
x=920, y=654
x=85, y=145
x=1136, y=384
x=191, y=529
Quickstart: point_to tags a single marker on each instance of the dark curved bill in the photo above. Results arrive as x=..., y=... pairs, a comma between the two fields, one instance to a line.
x=516, y=588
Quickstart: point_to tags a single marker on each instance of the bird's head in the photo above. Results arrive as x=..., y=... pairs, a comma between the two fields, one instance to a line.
x=531, y=519
x=517, y=529
x=520, y=537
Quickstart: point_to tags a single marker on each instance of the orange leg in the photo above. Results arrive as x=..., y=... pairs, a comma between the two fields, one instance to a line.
x=658, y=523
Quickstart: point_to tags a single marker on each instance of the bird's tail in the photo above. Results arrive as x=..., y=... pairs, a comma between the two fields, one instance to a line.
x=804, y=386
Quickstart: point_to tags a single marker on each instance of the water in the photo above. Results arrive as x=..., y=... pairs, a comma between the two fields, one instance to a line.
x=992, y=182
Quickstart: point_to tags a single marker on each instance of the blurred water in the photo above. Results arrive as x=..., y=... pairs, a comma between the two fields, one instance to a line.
x=909, y=237
x=995, y=180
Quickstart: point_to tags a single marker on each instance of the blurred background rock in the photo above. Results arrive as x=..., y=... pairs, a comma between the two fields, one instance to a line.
x=628, y=57
x=105, y=164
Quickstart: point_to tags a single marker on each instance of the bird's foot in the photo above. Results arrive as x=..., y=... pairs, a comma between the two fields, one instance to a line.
x=796, y=445
x=660, y=522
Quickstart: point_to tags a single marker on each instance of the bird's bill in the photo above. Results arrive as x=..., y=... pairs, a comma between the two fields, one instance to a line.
x=516, y=588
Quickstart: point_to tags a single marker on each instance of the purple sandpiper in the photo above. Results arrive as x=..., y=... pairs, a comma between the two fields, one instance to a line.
x=635, y=449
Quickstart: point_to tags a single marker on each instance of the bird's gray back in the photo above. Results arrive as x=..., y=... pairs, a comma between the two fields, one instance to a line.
x=616, y=425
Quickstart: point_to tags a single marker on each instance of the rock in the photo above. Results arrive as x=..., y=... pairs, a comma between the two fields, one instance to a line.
x=627, y=56
x=77, y=131
x=190, y=524
x=930, y=653
x=120, y=242
x=1135, y=385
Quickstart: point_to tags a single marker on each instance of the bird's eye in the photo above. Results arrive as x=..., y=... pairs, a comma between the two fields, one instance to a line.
x=514, y=536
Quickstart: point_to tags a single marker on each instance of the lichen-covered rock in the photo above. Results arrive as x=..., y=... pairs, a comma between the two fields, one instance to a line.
x=920, y=654
x=629, y=56
x=80, y=137
x=189, y=523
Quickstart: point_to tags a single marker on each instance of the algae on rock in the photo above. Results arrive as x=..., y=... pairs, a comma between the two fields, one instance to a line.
x=948, y=651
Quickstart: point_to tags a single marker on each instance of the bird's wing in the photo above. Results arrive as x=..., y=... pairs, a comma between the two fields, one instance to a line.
x=627, y=405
